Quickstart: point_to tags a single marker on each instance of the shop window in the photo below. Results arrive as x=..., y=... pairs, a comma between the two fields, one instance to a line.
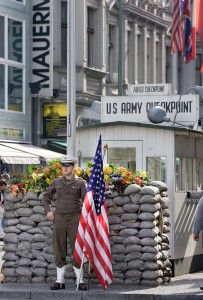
x=156, y=168
x=122, y=157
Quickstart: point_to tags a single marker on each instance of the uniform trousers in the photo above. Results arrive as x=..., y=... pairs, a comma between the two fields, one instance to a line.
x=65, y=226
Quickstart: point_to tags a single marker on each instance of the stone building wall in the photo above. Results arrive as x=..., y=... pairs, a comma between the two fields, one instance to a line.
x=138, y=223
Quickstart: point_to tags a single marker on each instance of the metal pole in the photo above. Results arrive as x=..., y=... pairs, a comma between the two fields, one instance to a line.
x=120, y=48
x=71, y=103
x=34, y=119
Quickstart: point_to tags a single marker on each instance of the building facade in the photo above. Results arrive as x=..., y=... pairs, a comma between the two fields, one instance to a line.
x=115, y=46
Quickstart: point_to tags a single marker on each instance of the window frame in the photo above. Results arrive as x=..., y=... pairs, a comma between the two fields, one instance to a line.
x=90, y=36
x=6, y=62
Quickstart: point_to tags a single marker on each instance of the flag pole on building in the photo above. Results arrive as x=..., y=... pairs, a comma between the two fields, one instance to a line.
x=71, y=103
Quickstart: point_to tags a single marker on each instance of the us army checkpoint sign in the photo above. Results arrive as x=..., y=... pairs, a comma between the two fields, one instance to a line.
x=135, y=108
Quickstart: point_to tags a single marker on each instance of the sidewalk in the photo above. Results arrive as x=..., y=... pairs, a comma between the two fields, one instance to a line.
x=180, y=287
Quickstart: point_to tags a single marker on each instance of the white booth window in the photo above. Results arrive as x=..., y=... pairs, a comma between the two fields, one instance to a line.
x=186, y=174
x=156, y=168
x=122, y=157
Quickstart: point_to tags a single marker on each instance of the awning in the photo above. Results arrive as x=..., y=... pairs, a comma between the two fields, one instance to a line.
x=58, y=146
x=13, y=156
x=29, y=151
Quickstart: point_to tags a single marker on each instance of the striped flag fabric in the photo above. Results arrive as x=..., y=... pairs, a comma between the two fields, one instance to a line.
x=92, y=241
x=183, y=27
x=177, y=27
x=199, y=23
x=190, y=31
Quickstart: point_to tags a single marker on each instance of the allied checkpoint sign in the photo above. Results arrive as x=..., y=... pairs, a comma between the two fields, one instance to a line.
x=135, y=108
x=159, y=89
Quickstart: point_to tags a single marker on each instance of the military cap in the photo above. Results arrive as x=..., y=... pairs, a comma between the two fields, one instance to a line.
x=68, y=160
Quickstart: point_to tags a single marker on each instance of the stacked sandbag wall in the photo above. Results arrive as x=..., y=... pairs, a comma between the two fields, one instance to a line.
x=138, y=223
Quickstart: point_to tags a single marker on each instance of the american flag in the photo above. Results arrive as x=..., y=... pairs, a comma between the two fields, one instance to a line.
x=177, y=26
x=92, y=239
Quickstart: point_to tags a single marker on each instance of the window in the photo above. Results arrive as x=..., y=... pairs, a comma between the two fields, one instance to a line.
x=90, y=36
x=130, y=56
x=63, y=33
x=15, y=89
x=2, y=36
x=2, y=86
x=168, y=65
x=149, y=56
x=110, y=49
x=198, y=67
x=12, y=67
x=15, y=36
x=178, y=175
x=156, y=168
x=159, y=58
x=123, y=157
x=186, y=174
x=140, y=57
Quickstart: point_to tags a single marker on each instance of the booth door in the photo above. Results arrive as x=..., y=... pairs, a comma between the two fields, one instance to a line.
x=128, y=154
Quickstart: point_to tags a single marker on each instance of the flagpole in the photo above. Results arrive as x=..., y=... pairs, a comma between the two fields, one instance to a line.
x=88, y=282
x=71, y=101
x=105, y=148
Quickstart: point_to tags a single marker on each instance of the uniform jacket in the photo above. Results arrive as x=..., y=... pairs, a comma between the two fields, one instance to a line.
x=68, y=195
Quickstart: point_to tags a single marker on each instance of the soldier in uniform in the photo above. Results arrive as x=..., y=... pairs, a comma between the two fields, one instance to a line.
x=69, y=191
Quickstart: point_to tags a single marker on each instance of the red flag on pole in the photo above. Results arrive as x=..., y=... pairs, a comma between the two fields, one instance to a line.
x=92, y=239
x=199, y=22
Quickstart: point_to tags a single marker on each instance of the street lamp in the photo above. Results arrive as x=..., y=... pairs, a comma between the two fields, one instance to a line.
x=156, y=114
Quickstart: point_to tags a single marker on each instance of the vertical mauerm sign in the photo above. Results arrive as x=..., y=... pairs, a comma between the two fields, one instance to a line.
x=42, y=45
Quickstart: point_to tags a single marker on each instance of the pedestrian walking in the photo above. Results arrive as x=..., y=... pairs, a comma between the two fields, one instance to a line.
x=3, y=188
x=69, y=192
x=198, y=223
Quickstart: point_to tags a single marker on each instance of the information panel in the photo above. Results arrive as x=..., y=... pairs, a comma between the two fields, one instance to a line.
x=55, y=120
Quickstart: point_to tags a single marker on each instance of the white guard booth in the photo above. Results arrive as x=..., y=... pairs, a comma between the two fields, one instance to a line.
x=169, y=152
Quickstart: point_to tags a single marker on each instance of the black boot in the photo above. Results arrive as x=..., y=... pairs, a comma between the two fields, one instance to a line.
x=57, y=286
x=82, y=287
